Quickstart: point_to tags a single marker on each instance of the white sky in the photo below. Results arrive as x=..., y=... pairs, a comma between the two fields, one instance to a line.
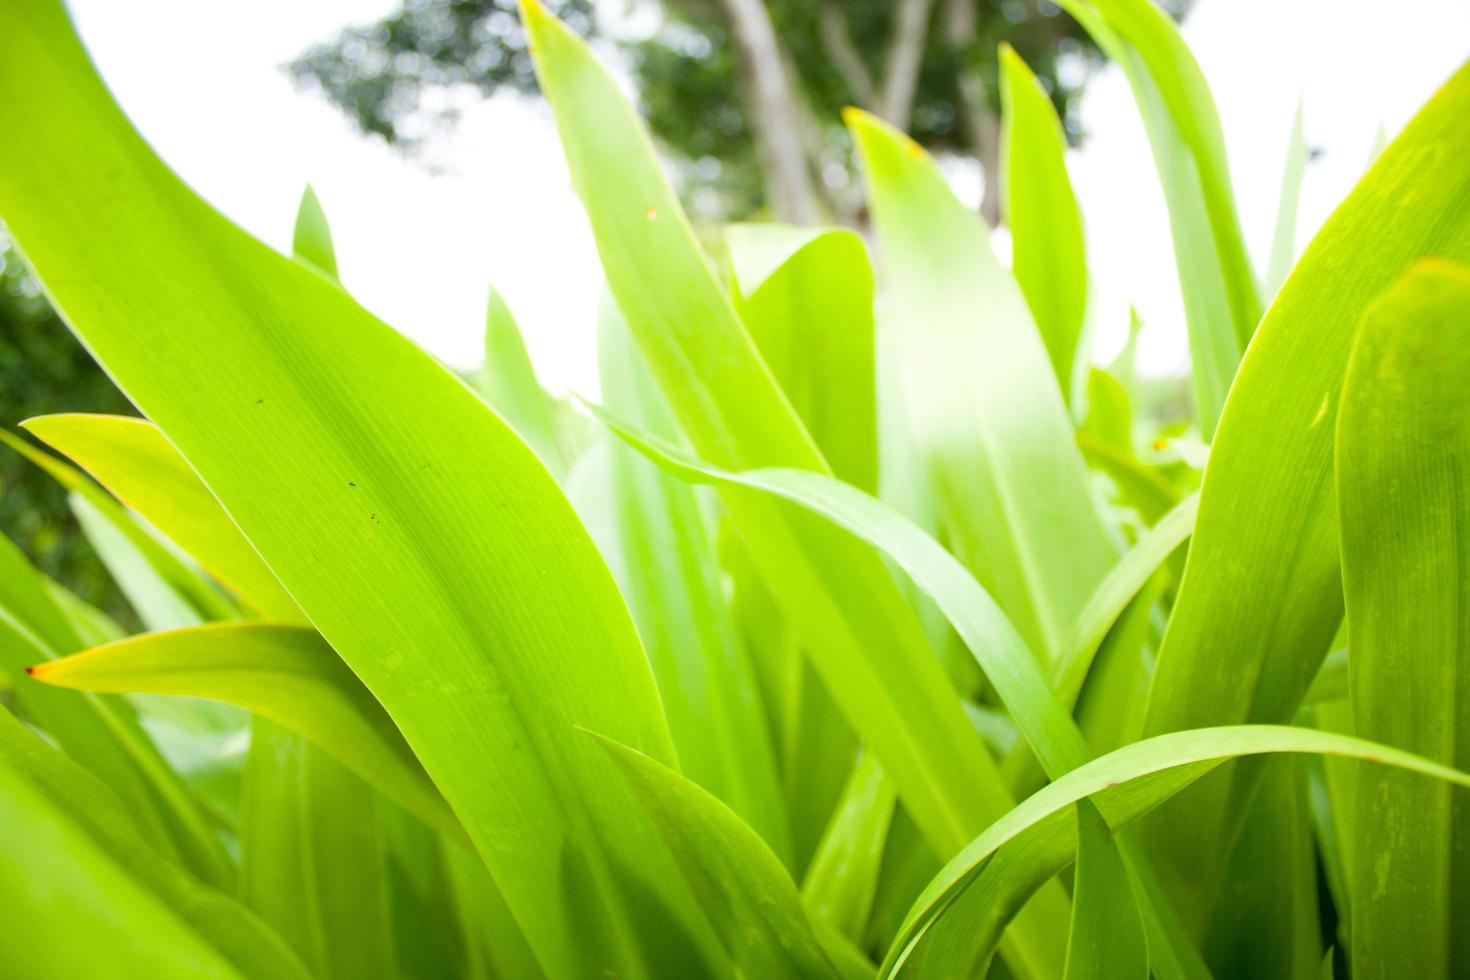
x=202, y=82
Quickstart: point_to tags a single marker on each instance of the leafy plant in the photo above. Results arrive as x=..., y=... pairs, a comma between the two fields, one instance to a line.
x=853, y=635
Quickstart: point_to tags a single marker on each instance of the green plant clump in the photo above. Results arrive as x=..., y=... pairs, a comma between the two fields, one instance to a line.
x=861, y=630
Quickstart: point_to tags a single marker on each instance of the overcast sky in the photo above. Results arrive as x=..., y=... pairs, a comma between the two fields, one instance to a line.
x=201, y=79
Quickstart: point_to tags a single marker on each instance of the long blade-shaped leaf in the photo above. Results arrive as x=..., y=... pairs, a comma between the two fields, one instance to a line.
x=313, y=859
x=990, y=425
x=1107, y=939
x=128, y=910
x=840, y=885
x=1048, y=256
x=1222, y=301
x=858, y=631
x=738, y=881
x=285, y=673
x=806, y=296
x=1403, y=487
x=1262, y=594
x=427, y=543
x=1039, y=836
x=133, y=460
x=671, y=576
x=1283, y=238
x=508, y=382
x=1002, y=654
x=101, y=733
x=204, y=600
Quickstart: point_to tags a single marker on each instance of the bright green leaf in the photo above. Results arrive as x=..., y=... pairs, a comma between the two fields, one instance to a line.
x=1403, y=489
x=1262, y=596
x=429, y=546
x=1048, y=255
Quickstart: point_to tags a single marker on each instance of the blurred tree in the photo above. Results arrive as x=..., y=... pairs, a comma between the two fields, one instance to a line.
x=43, y=369
x=746, y=93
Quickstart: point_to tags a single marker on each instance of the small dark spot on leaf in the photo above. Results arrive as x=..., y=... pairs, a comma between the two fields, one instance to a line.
x=351, y=484
x=31, y=670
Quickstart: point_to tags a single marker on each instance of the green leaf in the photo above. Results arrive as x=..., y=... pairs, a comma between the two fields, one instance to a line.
x=1039, y=837
x=1113, y=594
x=127, y=909
x=412, y=526
x=1267, y=921
x=285, y=673
x=508, y=382
x=857, y=628
x=1048, y=255
x=134, y=461
x=1009, y=666
x=992, y=429
x=738, y=882
x=1403, y=489
x=1283, y=239
x=100, y=733
x=806, y=296
x=670, y=574
x=1109, y=411
x=842, y=880
x=311, y=240
x=1122, y=585
x=1262, y=597
x=206, y=602
x=158, y=604
x=1222, y=302
x=1106, y=940
x=313, y=859
x=1140, y=485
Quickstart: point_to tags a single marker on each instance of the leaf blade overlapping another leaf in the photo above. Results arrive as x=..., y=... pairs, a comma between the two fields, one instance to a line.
x=426, y=542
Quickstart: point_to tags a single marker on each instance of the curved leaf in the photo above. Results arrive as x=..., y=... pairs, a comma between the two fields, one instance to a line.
x=857, y=629
x=1222, y=302
x=429, y=546
x=204, y=600
x=1008, y=664
x=285, y=673
x=1048, y=256
x=100, y=733
x=134, y=461
x=1262, y=594
x=738, y=882
x=670, y=573
x=1403, y=490
x=1107, y=939
x=1038, y=838
x=508, y=382
x=127, y=910
x=991, y=427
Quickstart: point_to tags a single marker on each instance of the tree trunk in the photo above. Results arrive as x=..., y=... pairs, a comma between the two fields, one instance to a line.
x=774, y=113
x=837, y=42
x=905, y=56
x=977, y=122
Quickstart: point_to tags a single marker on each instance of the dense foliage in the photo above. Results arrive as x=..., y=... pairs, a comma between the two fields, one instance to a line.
x=861, y=630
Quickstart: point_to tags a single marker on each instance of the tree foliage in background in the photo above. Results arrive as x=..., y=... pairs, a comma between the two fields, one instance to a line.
x=747, y=93
x=42, y=370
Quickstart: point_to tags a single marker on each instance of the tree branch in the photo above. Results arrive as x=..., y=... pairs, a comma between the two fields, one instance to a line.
x=905, y=56
x=837, y=42
x=775, y=116
x=977, y=122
